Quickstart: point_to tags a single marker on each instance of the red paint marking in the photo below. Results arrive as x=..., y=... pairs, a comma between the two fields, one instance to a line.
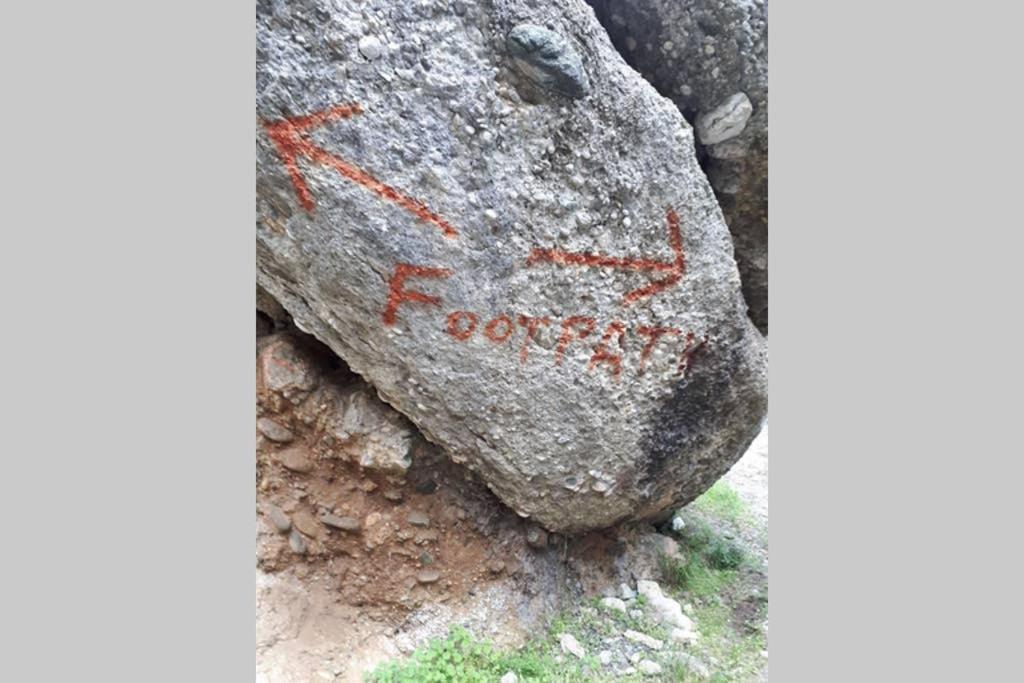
x=531, y=325
x=397, y=294
x=567, y=333
x=603, y=355
x=654, y=334
x=460, y=333
x=675, y=269
x=489, y=331
x=686, y=359
x=290, y=137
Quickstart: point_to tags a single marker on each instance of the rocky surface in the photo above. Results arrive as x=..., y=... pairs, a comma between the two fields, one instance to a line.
x=494, y=220
x=710, y=57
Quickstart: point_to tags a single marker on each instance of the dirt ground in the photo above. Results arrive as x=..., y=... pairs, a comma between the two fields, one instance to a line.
x=361, y=561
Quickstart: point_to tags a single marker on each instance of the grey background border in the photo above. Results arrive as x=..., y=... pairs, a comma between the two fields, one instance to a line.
x=128, y=354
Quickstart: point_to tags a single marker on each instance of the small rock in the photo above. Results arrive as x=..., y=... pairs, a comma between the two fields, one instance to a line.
x=636, y=613
x=509, y=677
x=343, y=523
x=643, y=639
x=426, y=536
x=537, y=538
x=649, y=668
x=296, y=459
x=635, y=657
x=370, y=47
x=278, y=518
x=548, y=59
x=665, y=609
x=496, y=567
x=274, y=430
x=628, y=671
x=725, y=121
x=605, y=657
x=306, y=523
x=394, y=495
x=428, y=576
x=570, y=645
x=626, y=592
x=418, y=519
x=297, y=542
x=680, y=635
x=678, y=524
x=614, y=604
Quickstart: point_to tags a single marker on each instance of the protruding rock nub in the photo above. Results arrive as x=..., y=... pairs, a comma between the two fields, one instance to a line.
x=725, y=121
x=547, y=59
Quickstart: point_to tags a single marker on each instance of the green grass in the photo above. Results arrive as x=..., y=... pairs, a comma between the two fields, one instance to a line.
x=711, y=561
x=722, y=502
x=460, y=658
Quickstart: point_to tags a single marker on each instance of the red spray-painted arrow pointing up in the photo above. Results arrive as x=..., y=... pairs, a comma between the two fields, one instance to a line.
x=675, y=269
x=290, y=137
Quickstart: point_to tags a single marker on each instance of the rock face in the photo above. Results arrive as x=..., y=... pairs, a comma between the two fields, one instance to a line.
x=710, y=57
x=535, y=273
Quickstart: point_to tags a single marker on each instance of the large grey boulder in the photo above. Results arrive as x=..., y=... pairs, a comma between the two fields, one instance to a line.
x=487, y=214
x=711, y=58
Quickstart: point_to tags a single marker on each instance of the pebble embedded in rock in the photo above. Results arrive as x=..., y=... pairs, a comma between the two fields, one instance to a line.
x=570, y=645
x=537, y=538
x=371, y=47
x=274, y=430
x=297, y=542
x=417, y=518
x=278, y=518
x=394, y=495
x=649, y=668
x=548, y=59
x=428, y=576
x=725, y=121
x=296, y=459
x=426, y=536
x=496, y=567
x=343, y=523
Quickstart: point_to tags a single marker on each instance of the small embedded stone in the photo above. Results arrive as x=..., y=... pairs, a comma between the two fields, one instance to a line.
x=725, y=121
x=371, y=47
x=274, y=430
x=548, y=60
x=417, y=518
x=428, y=576
x=278, y=518
x=306, y=523
x=296, y=459
x=343, y=523
x=297, y=542
x=537, y=538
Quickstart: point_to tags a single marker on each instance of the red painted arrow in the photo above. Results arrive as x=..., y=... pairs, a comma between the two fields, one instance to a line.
x=290, y=138
x=675, y=269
